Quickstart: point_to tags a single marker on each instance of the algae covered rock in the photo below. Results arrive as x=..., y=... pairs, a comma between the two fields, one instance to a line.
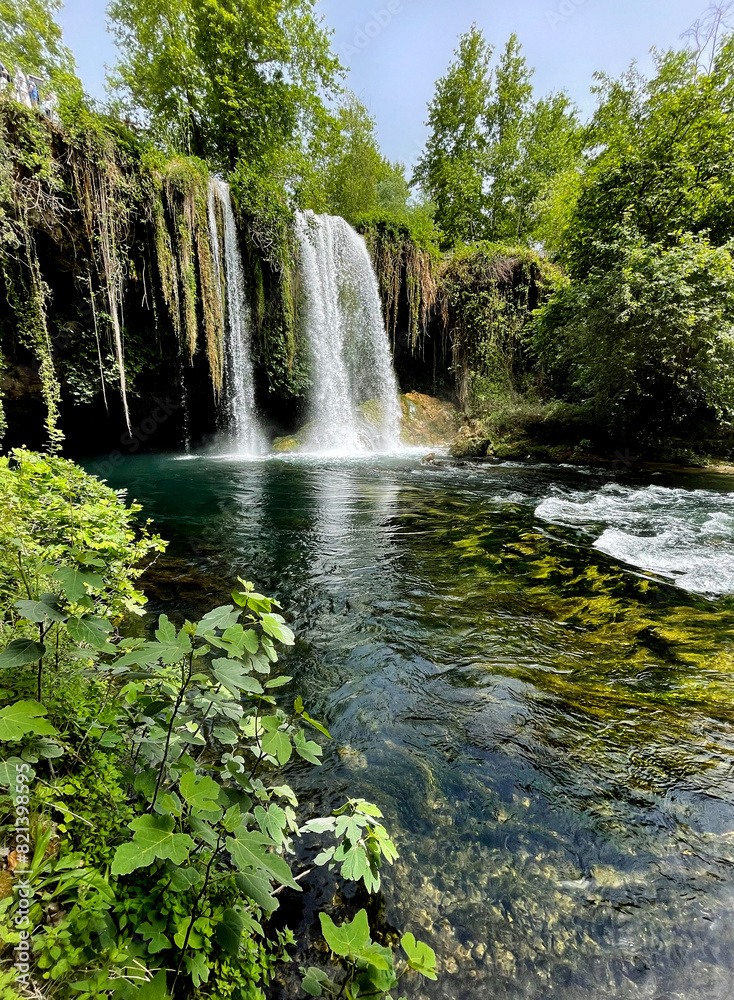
x=286, y=445
x=427, y=420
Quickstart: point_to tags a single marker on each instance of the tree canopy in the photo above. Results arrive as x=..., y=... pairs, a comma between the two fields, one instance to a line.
x=492, y=148
x=30, y=38
x=224, y=79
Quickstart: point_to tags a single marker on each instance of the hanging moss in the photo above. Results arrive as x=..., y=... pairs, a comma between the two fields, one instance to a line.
x=487, y=293
x=190, y=274
x=403, y=266
x=30, y=310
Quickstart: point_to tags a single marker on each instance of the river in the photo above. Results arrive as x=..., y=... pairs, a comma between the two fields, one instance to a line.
x=529, y=669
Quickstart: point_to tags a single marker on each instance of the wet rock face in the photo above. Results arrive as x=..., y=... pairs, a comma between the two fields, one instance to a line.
x=427, y=420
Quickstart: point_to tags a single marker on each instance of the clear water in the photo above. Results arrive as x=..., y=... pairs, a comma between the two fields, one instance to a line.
x=549, y=729
x=351, y=361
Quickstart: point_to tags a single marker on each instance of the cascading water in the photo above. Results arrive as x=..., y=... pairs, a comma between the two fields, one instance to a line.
x=241, y=416
x=351, y=366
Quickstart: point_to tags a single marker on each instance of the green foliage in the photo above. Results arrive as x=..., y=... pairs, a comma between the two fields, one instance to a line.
x=451, y=168
x=492, y=149
x=352, y=176
x=369, y=967
x=405, y=257
x=645, y=343
x=665, y=161
x=489, y=293
x=31, y=39
x=162, y=756
x=223, y=80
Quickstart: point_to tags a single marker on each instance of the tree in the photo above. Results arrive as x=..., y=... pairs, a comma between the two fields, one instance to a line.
x=355, y=167
x=646, y=342
x=493, y=149
x=224, y=79
x=506, y=122
x=452, y=168
x=31, y=39
x=664, y=158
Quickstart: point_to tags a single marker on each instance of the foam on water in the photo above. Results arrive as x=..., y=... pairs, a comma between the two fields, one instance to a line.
x=684, y=535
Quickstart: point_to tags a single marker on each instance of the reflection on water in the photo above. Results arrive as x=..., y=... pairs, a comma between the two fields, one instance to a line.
x=549, y=732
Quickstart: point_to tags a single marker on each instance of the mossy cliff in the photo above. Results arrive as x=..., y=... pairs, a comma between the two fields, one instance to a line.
x=112, y=322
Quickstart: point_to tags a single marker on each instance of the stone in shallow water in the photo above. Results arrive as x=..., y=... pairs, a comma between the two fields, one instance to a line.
x=426, y=422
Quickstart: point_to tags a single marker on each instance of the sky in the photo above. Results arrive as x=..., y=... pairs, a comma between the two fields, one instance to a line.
x=397, y=49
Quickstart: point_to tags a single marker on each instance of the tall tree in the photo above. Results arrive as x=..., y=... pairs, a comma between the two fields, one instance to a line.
x=452, y=167
x=356, y=167
x=664, y=158
x=492, y=149
x=224, y=79
x=31, y=38
x=506, y=124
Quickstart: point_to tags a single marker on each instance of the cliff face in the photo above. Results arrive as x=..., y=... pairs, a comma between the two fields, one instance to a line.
x=112, y=313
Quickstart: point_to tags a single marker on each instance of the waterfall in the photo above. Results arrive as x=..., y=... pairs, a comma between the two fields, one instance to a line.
x=241, y=418
x=351, y=365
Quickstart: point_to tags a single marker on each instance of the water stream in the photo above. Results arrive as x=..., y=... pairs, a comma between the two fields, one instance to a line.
x=351, y=362
x=545, y=716
x=245, y=434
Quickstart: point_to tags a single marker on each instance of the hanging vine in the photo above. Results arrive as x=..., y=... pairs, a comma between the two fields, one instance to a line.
x=104, y=197
x=402, y=266
x=192, y=272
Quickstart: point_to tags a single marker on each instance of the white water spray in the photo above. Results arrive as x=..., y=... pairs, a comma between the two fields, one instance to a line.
x=242, y=422
x=351, y=363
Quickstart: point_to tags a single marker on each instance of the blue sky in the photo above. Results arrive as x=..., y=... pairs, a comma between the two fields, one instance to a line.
x=398, y=48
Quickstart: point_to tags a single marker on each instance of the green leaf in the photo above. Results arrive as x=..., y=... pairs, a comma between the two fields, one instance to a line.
x=315, y=981
x=9, y=771
x=274, y=625
x=307, y=749
x=39, y=611
x=219, y=618
x=23, y=719
x=271, y=821
x=350, y=938
x=279, y=745
x=198, y=968
x=421, y=957
x=278, y=682
x=251, y=641
x=147, y=656
x=155, y=989
x=200, y=793
x=324, y=824
x=184, y=879
x=316, y=725
x=166, y=631
x=20, y=652
x=248, y=852
x=233, y=677
x=258, y=888
x=228, y=933
x=89, y=630
x=74, y=582
x=355, y=864
x=153, y=840
x=155, y=936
